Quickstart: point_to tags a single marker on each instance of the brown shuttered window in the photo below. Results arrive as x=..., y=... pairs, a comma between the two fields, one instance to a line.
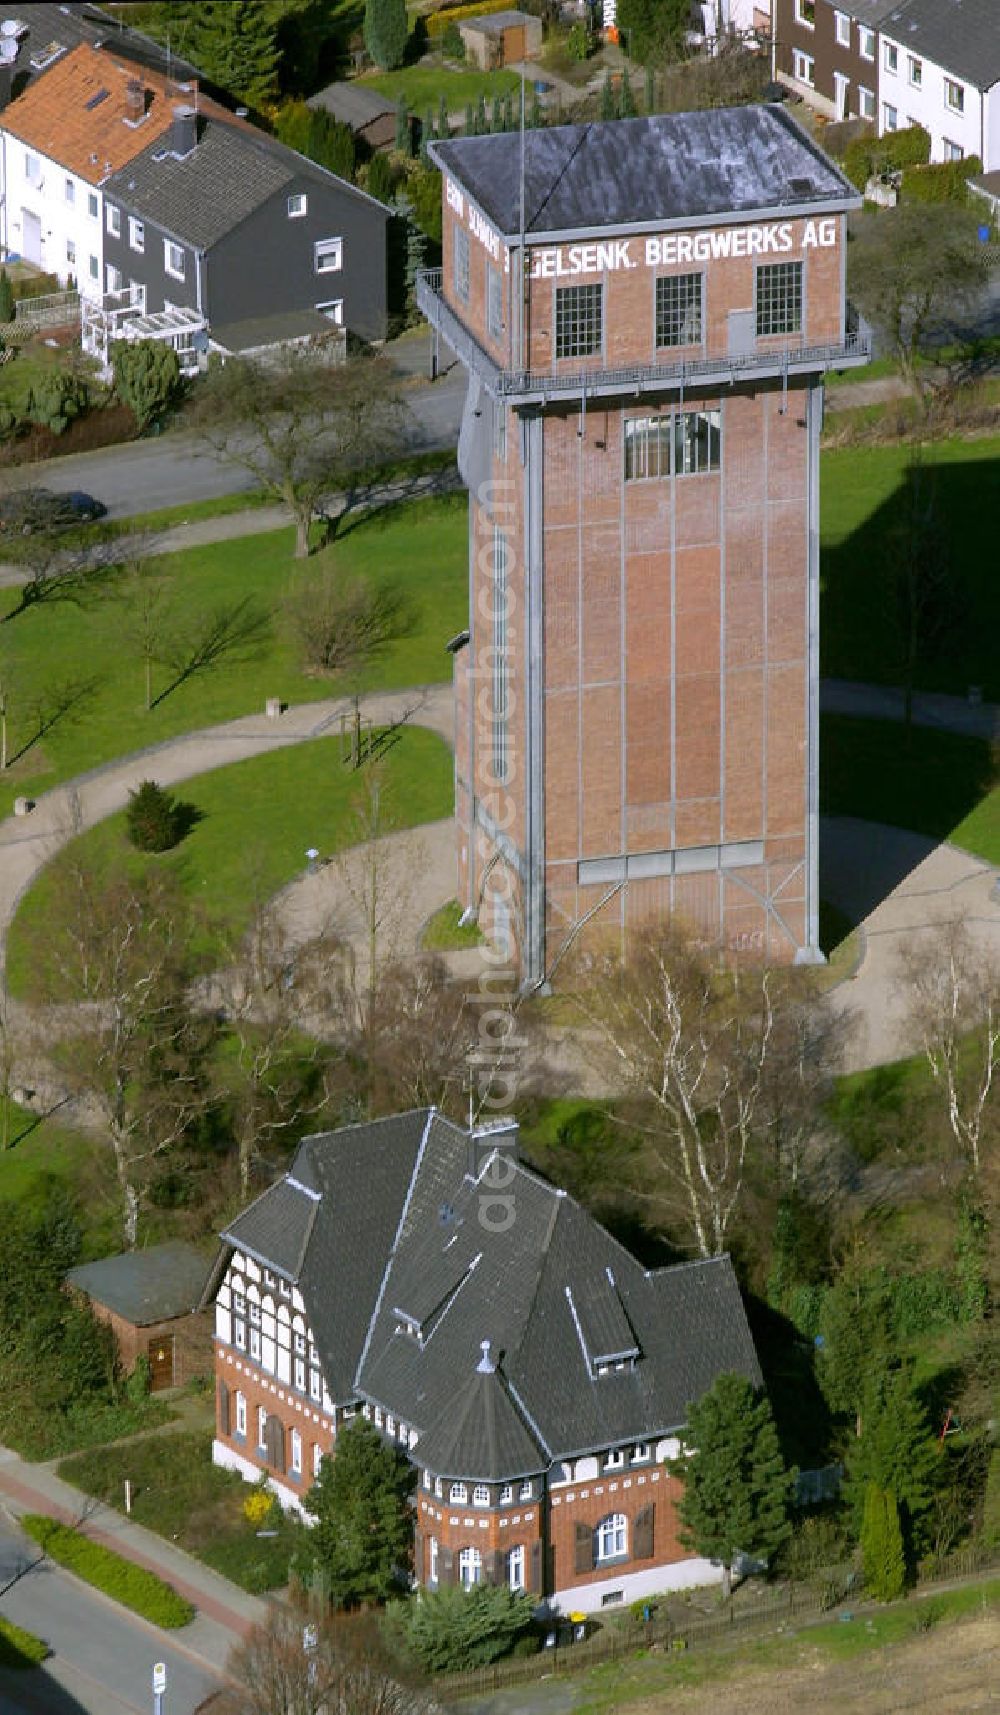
x=446, y=1565
x=274, y=1443
x=583, y=1549
x=535, y=1569
x=642, y=1534
x=224, y=1411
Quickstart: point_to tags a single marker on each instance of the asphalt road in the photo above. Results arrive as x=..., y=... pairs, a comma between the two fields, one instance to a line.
x=103, y=1657
x=143, y=476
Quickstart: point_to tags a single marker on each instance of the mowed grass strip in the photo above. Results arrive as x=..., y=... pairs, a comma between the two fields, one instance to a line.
x=258, y=819
x=862, y=510
x=121, y=1579
x=20, y=1649
x=421, y=547
x=936, y=783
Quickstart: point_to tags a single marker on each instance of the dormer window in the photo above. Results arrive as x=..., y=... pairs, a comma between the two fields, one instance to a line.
x=458, y=1492
x=614, y=1460
x=439, y=1488
x=606, y=1336
x=640, y=1452
x=506, y=1494
x=481, y=1495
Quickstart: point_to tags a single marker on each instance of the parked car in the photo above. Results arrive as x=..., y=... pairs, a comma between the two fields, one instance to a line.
x=26, y=510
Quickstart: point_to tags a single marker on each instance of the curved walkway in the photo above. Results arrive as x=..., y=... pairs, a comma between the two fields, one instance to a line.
x=27, y=843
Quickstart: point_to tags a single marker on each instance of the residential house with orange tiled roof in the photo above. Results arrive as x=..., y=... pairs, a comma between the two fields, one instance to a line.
x=87, y=116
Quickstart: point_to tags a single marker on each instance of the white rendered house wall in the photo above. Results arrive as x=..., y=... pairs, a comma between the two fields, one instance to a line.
x=914, y=90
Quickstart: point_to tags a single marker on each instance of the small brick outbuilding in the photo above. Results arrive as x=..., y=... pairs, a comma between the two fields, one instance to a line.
x=150, y=1298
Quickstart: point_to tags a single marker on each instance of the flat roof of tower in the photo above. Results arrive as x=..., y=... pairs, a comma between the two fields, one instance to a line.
x=633, y=173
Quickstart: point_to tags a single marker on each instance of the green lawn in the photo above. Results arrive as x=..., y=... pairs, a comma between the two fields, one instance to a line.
x=83, y=657
x=258, y=819
x=421, y=86
x=180, y=1494
x=935, y=783
x=861, y=493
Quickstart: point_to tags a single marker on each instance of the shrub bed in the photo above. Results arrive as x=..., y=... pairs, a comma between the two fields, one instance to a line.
x=121, y=1579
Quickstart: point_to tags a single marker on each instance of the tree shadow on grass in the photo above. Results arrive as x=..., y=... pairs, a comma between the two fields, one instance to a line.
x=56, y=705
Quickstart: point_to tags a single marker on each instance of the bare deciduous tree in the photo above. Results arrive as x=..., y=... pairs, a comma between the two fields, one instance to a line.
x=58, y=571
x=301, y=427
x=690, y=1039
x=953, y=1008
x=115, y=955
x=339, y=625
x=274, y=994
x=288, y=1666
x=422, y=1031
x=147, y=617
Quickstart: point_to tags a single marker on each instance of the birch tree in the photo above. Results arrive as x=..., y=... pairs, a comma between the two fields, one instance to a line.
x=952, y=992
x=115, y=955
x=690, y=1041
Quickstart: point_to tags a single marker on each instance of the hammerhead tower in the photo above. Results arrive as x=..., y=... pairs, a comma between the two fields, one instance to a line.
x=646, y=311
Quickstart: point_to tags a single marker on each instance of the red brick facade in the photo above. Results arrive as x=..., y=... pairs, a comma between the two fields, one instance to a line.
x=676, y=732
x=185, y=1343
x=289, y=1411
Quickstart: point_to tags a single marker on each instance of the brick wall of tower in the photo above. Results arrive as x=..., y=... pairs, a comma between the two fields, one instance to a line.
x=676, y=669
x=494, y=1531
x=589, y=1503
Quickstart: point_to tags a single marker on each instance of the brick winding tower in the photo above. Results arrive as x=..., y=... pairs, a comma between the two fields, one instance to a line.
x=646, y=310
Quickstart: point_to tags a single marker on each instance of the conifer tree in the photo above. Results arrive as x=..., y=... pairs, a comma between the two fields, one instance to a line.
x=426, y=134
x=481, y=125
x=650, y=90
x=386, y=32
x=609, y=105
x=882, y=1554
x=496, y=116
x=443, y=123
x=626, y=103
x=895, y=1451
x=737, y=1490
x=403, y=132
x=235, y=45
x=508, y=112
x=363, y=1528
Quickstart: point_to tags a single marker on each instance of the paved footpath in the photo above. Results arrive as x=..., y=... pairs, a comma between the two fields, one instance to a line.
x=27, y=843
x=225, y=1613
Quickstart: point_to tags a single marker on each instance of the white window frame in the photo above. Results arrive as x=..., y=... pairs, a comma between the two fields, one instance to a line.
x=137, y=242
x=890, y=117
x=333, y=310
x=800, y=13
x=298, y=205
x=867, y=108
x=296, y=1453
x=176, y=270
x=241, y=1415
x=611, y=1539
x=481, y=1495
x=113, y=220
x=614, y=1460
x=432, y=1560
x=515, y=1566
x=953, y=87
x=470, y=1567
x=952, y=151
x=32, y=167
x=458, y=1493
x=93, y=205
x=262, y=1427
x=317, y=1458
x=842, y=29
x=114, y=279
x=71, y=252
x=69, y=191
x=890, y=62
x=803, y=67
x=526, y=1491
x=866, y=42
x=640, y=1453
x=328, y=255
x=914, y=72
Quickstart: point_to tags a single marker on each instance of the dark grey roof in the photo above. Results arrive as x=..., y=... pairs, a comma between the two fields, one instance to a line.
x=352, y=104
x=644, y=172
x=483, y=1436
x=70, y=24
x=255, y=332
x=200, y=198
x=146, y=1286
x=405, y=1275
x=962, y=36
x=519, y=1289
x=870, y=12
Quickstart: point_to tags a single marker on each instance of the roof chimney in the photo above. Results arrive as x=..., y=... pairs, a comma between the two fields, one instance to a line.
x=485, y=1366
x=184, y=134
x=135, y=100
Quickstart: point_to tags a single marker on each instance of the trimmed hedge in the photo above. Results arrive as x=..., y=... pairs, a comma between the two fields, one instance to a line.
x=945, y=181
x=132, y=1585
x=19, y=1648
x=894, y=152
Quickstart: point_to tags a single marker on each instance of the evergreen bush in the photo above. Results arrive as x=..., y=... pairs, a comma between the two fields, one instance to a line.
x=6, y=297
x=882, y=1555
x=386, y=32
x=152, y=819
